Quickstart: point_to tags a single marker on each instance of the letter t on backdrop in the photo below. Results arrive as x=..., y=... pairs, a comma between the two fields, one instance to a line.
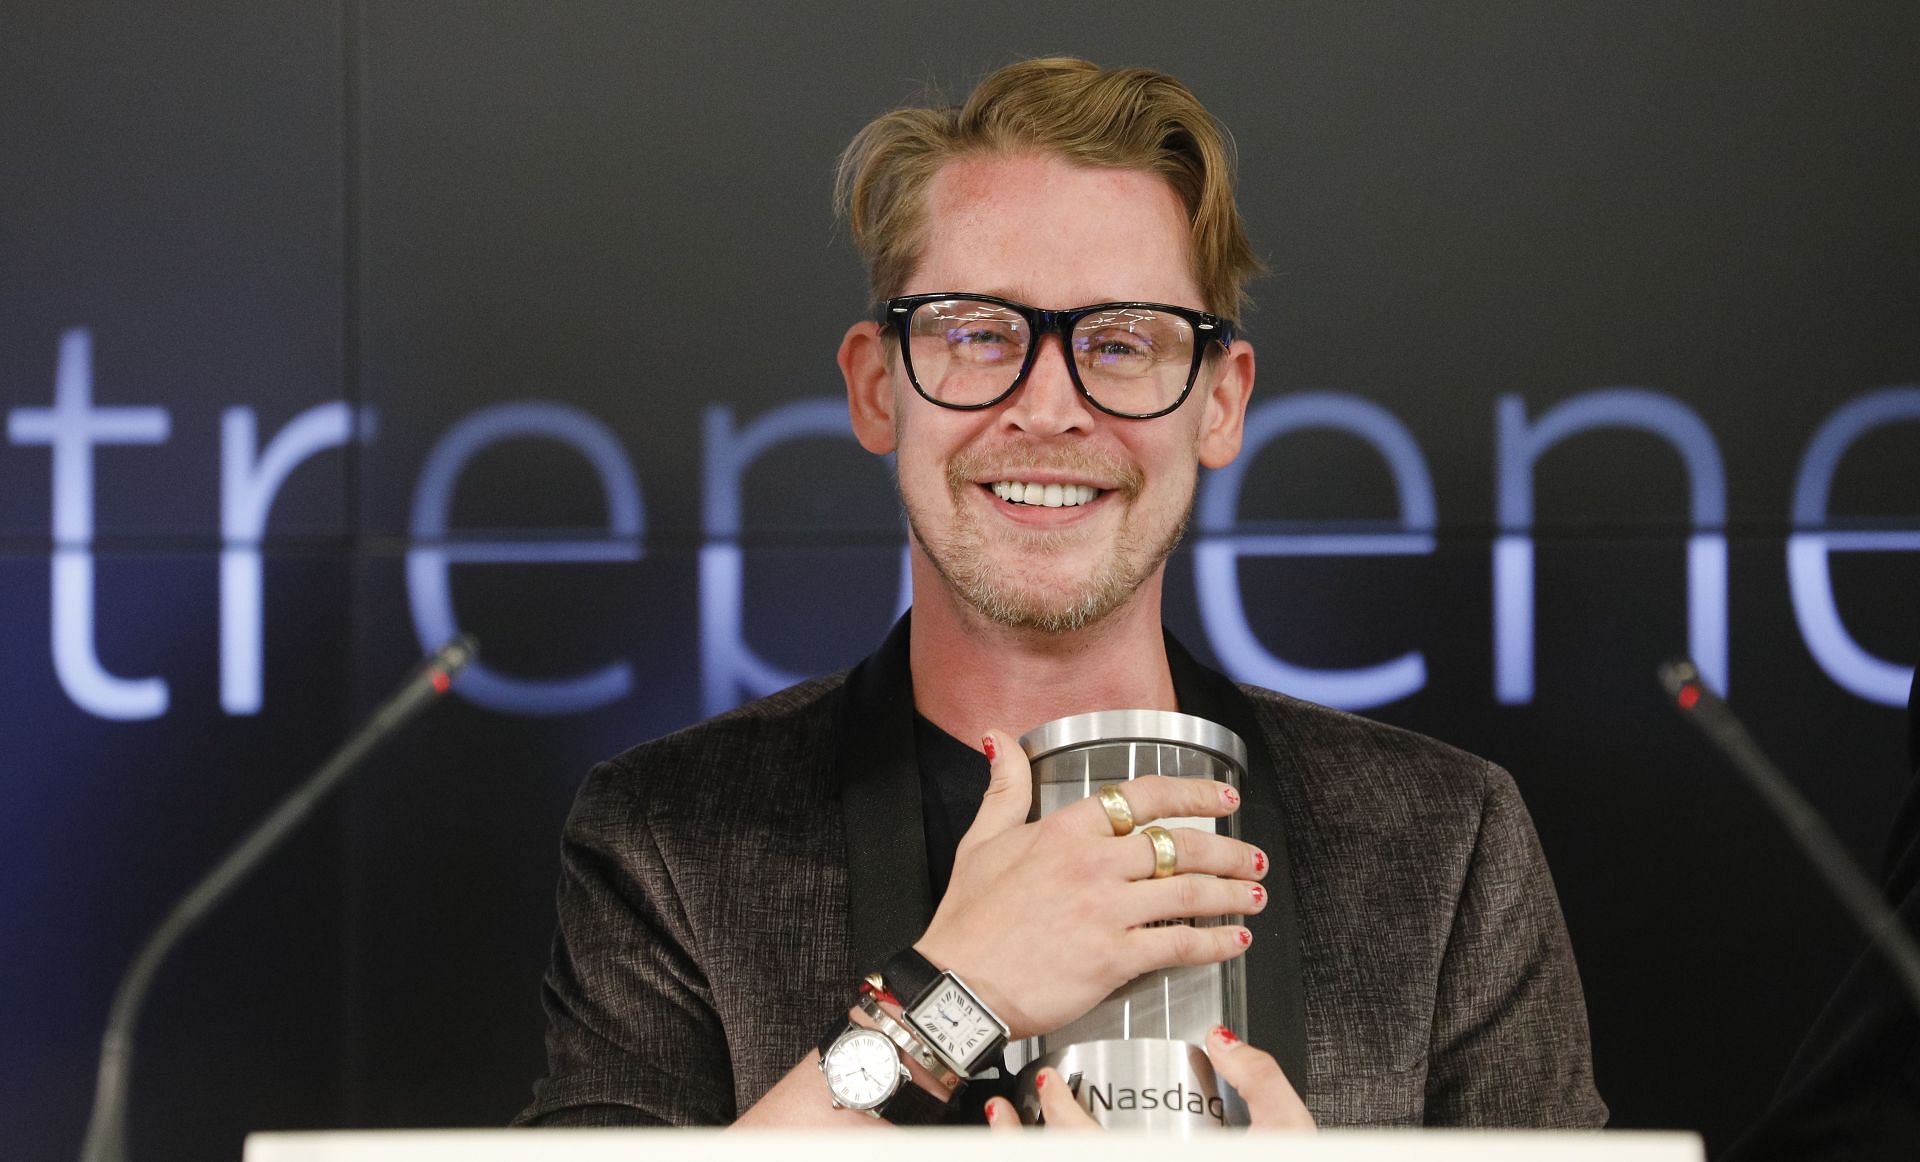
x=71, y=427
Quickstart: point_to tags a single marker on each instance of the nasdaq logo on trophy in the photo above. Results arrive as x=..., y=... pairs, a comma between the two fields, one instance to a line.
x=1135, y=1060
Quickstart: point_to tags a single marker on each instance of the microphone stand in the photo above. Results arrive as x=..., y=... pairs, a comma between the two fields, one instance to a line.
x=1856, y=893
x=106, y=1139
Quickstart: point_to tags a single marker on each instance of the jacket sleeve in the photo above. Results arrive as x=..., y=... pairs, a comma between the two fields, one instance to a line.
x=1510, y=1043
x=632, y=1036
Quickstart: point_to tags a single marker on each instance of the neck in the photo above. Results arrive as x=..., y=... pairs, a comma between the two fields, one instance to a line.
x=971, y=675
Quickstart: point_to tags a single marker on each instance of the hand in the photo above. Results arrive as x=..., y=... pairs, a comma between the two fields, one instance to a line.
x=1043, y=920
x=1271, y=1101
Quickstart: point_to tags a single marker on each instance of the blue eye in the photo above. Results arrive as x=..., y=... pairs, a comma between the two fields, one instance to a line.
x=1115, y=347
x=984, y=342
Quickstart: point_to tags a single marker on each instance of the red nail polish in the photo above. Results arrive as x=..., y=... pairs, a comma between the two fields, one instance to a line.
x=1259, y=894
x=1039, y=1081
x=986, y=744
x=1245, y=938
x=1225, y=1034
x=991, y=1110
x=1231, y=796
x=1259, y=861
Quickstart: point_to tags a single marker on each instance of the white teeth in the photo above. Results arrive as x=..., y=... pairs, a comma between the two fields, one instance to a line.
x=1044, y=495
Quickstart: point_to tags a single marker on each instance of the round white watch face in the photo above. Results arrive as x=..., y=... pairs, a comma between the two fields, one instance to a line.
x=862, y=1068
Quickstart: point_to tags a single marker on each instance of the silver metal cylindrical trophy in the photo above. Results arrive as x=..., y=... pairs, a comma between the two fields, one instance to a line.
x=1136, y=1061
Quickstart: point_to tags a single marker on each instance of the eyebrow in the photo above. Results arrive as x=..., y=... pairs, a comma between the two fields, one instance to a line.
x=1005, y=293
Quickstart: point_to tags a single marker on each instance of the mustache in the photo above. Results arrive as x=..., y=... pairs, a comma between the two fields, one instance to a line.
x=1010, y=463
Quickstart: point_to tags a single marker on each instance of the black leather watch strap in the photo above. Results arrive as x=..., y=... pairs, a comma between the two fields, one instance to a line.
x=912, y=1106
x=909, y=975
x=909, y=1105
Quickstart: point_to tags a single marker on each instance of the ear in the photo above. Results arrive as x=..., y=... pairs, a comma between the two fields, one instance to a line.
x=863, y=364
x=1224, y=417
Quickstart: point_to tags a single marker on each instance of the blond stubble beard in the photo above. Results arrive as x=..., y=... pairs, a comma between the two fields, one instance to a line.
x=962, y=561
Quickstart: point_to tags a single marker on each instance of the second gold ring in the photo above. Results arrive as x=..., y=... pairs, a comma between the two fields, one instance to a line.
x=1119, y=814
x=1166, y=858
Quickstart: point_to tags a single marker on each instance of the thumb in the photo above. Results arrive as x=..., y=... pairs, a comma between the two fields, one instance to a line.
x=1272, y=1102
x=1009, y=789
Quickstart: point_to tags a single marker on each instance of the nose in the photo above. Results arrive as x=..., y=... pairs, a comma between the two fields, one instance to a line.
x=1048, y=403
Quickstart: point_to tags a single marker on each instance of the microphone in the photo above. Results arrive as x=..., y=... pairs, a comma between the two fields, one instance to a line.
x=1842, y=873
x=106, y=1139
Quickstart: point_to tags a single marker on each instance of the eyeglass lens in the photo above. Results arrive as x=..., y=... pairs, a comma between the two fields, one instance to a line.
x=1132, y=360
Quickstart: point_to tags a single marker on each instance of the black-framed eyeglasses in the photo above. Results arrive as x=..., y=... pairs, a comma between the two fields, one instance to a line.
x=969, y=351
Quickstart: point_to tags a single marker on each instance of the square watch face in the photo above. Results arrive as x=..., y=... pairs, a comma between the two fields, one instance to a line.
x=955, y=1024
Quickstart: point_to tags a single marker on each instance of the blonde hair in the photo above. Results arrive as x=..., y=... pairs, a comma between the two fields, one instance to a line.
x=1132, y=118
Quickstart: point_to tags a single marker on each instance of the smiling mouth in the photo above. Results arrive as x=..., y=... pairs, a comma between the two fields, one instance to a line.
x=1044, y=495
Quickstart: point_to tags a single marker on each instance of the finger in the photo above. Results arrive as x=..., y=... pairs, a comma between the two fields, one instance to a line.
x=1009, y=789
x=1057, y=1105
x=1194, y=851
x=1272, y=1102
x=1149, y=949
x=1183, y=896
x=1001, y=1115
x=1152, y=797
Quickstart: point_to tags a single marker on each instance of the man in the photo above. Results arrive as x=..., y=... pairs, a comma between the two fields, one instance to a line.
x=725, y=888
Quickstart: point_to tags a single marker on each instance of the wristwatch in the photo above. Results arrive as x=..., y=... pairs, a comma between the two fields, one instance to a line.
x=864, y=1072
x=937, y=1005
x=872, y=992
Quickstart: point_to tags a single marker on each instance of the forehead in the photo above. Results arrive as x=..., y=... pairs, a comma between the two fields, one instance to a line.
x=1055, y=234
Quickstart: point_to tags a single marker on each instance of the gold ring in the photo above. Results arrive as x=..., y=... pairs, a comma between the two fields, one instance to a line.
x=1165, y=856
x=1119, y=814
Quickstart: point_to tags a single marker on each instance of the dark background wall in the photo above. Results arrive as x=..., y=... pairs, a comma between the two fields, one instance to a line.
x=405, y=214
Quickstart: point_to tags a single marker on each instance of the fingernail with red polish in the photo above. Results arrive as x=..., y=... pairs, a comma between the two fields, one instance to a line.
x=1040, y=1081
x=1259, y=861
x=1231, y=796
x=1245, y=938
x=991, y=1110
x=1225, y=1034
x=1259, y=894
x=986, y=744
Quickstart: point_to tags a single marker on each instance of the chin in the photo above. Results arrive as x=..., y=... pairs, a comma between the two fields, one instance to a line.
x=1044, y=604
x=1040, y=617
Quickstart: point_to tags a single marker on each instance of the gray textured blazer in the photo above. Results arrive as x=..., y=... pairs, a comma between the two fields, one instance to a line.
x=724, y=888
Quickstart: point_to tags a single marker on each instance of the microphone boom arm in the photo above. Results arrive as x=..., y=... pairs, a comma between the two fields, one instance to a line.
x=1829, y=857
x=106, y=1139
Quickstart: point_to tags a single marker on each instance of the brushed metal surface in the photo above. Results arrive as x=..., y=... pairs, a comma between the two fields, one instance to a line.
x=1164, y=726
x=1133, y=1061
x=1144, y=1083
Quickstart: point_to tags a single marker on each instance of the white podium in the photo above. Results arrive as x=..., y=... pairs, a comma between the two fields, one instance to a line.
x=965, y=1145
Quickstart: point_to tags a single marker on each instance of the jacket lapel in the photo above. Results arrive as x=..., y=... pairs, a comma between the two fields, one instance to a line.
x=889, y=894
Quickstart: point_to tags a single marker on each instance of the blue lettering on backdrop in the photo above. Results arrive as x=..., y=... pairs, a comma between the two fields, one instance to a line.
x=71, y=427
x=247, y=489
x=1222, y=612
x=251, y=478
x=1521, y=445
x=729, y=667
x=1809, y=581
x=432, y=553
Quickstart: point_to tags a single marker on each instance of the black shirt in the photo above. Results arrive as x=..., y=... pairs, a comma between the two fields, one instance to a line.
x=953, y=777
